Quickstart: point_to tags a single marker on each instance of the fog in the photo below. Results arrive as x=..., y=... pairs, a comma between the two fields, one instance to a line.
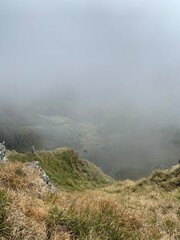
x=105, y=73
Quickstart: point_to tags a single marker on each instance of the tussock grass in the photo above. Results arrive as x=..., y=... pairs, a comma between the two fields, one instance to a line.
x=102, y=219
x=4, y=227
x=168, y=179
x=128, y=210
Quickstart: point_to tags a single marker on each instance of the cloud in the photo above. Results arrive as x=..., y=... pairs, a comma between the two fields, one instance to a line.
x=119, y=51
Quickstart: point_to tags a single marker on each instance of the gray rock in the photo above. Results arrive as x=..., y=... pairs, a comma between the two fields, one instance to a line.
x=33, y=150
x=44, y=177
x=2, y=152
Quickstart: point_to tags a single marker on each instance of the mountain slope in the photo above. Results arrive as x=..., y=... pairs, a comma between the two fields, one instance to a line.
x=144, y=210
x=66, y=169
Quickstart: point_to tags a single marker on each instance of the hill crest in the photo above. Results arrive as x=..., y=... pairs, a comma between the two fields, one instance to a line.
x=66, y=169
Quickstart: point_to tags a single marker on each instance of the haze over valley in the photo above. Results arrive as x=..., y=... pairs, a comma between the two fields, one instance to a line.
x=101, y=77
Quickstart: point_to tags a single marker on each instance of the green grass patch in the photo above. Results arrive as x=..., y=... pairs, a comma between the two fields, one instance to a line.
x=103, y=224
x=66, y=169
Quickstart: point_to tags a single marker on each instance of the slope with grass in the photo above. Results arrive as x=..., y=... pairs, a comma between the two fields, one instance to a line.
x=66, y=169
x=147, y=209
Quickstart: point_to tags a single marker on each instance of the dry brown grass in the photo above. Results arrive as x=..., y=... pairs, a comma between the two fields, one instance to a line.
x=127, y=210
x=158, y=209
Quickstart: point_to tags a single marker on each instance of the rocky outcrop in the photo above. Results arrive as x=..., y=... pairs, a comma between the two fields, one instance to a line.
x=42, y=174
x=2, y=152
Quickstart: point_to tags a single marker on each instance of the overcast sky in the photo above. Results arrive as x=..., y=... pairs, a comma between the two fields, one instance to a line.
x=111, y=52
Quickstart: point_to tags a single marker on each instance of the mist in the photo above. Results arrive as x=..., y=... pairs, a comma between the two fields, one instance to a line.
x=99, y=76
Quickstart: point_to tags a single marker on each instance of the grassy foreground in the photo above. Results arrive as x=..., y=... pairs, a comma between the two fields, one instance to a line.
x=148, y=209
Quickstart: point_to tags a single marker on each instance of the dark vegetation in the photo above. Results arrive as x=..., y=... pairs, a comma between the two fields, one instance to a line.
x=19, y=138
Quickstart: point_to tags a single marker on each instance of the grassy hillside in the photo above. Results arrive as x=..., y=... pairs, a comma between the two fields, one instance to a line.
x=147, y=209
x=66, y=169
x=168, y=179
